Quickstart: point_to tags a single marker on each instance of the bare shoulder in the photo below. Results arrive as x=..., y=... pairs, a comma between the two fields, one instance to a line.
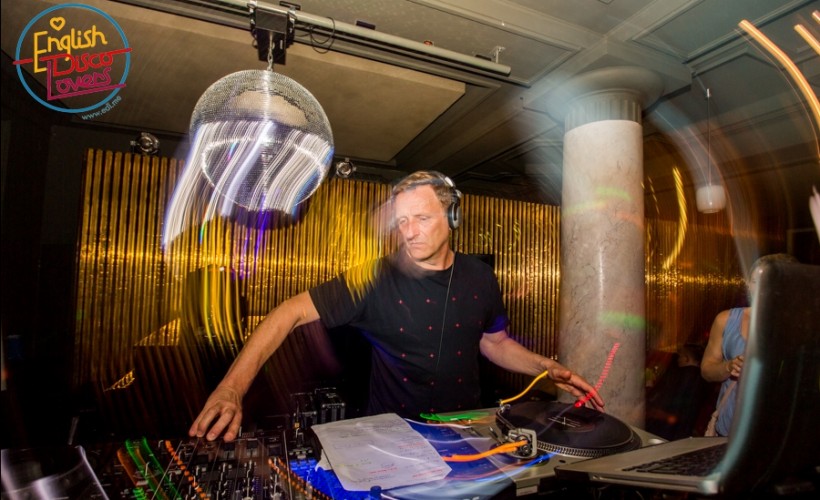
x=722, y=317
x=718, y=324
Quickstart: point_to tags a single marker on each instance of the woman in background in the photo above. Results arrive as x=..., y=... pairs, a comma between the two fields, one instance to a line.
x=723, y=358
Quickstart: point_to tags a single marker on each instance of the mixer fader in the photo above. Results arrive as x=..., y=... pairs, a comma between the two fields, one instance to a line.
x=256, y=465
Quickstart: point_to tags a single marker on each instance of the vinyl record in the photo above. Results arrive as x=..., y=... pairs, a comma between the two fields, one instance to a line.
x=565, y=429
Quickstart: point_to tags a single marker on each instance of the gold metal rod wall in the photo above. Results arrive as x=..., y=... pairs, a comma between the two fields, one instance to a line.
x=131, y=291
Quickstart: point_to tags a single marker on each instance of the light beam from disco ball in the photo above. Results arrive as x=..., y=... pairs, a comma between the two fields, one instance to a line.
x=260, y=140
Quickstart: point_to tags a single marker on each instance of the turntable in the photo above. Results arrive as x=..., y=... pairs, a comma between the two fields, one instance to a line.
x=568, y=430
x=560, y=434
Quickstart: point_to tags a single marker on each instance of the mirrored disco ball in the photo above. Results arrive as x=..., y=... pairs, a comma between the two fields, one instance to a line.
x=262, y=140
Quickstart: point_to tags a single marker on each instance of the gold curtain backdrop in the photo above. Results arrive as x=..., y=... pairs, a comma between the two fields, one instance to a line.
x=156, y=322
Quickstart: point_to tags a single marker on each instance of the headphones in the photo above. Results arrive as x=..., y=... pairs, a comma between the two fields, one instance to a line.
x=454, y=210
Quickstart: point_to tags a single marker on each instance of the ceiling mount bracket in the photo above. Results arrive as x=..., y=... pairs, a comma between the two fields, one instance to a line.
x=271, y=29
x=496, y=53
x=281, y=21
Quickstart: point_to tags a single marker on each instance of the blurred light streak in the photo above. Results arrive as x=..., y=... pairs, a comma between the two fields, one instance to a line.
x=814, y=208
x=686, y=139
x=259, y=166
x=611, y=192
x=604, y=193
x=181, y=207
x=683, y=220
x=235, y=177
x=359, y=278
x=122, y=383
x=614, y=318
x=651, y=189
x=604, y=374
x=587, y=206
x=791, y=68
x=808, y=37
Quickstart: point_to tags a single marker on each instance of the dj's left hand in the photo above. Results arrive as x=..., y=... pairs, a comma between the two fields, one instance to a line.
x=569, y=381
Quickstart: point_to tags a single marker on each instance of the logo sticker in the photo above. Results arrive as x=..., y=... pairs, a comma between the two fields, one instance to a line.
x=79, y=54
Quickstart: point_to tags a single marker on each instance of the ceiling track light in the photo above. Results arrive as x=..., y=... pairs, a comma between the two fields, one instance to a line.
x=265, y=12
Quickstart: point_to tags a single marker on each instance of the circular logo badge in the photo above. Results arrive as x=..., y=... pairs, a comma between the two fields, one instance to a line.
x=78, y=53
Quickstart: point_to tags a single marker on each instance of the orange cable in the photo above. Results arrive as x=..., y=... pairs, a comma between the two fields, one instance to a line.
x=504, y=448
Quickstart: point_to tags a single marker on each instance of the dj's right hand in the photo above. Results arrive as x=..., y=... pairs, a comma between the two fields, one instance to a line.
x=222, y=412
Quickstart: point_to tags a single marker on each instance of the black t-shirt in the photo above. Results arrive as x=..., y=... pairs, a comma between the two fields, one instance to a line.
x=425, y=340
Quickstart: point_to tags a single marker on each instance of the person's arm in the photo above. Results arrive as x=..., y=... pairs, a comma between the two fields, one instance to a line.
x=713, y=367
x=223, y=409
x=507, y=353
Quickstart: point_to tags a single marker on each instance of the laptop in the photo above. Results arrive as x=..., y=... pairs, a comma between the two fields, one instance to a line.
x=773, y=445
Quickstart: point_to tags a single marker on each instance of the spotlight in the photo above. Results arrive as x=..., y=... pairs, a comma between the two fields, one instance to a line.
x=146, y=144
x=345, y=169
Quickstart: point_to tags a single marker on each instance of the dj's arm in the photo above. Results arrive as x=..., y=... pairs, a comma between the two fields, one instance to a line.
x=505, y=352
x=223, y=409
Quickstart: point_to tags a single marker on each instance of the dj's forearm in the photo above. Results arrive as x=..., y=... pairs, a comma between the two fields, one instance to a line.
x=505, y=352
x=266, y=338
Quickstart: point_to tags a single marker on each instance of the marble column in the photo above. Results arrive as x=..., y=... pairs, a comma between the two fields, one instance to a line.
x=602, y=303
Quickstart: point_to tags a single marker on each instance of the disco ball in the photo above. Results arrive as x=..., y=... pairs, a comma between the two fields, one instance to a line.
x=262, y=141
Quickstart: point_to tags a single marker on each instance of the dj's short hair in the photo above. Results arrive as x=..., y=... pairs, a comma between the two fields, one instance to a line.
x=441, y=184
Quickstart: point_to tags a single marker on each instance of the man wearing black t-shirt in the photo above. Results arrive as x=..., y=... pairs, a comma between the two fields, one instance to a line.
x=427, y=310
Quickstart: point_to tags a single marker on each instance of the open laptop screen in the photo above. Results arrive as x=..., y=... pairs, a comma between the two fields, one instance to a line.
x=773, y=444
x=775, y=428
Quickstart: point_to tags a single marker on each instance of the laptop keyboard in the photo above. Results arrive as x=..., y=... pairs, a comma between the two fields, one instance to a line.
x=695, y=463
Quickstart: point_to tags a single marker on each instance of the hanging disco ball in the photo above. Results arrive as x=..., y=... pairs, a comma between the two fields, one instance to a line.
x=262, y=141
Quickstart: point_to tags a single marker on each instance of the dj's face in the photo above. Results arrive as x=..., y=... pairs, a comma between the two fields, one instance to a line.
x=422, y=223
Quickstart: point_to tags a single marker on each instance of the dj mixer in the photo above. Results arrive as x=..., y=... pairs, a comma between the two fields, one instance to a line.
x=282, y=463
x=256, y=465
x=269, y=465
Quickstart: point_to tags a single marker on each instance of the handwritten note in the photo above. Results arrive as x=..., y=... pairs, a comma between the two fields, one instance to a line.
x=382, y=450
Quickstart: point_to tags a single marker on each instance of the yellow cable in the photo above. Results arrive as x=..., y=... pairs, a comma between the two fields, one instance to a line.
x=536, y=379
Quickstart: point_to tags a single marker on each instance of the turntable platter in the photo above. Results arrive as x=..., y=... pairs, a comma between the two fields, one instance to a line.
x=563, y=428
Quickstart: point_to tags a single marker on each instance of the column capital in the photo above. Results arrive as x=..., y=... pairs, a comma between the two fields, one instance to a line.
x=613, y=93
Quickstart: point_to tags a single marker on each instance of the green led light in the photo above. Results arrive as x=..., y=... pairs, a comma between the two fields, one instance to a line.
x=471, y=415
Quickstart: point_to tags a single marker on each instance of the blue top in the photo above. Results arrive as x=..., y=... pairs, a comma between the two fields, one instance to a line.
x=733, y=346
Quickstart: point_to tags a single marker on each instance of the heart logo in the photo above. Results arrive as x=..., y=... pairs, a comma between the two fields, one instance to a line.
x=57, y=23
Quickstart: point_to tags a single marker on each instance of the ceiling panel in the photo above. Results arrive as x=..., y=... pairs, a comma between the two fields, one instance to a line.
x=600, y=16
x=707, y=24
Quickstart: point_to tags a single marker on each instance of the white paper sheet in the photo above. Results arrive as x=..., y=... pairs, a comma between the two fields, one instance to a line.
x=382, y=450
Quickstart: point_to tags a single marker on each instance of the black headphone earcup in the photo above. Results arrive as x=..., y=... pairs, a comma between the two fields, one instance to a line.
x=454, y=212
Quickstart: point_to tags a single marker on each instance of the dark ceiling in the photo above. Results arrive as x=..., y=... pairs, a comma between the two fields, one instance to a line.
x=394, y=110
